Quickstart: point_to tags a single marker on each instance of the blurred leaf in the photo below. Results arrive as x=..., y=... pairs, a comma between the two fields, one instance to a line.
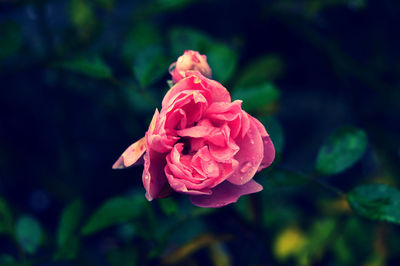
x=257, y=97
x=150, y=65
x=6, y=259
x=168, y=206
x=318, y=239
x=140, y=101
x=69, y=251
x=275, y=130
x=219, y=255
x=28, y=233
x=170, y=5
x=265, y=68
x=342, y=251
x=69, y=222
x=290, y=242
x=342, y=149
x=82, y=17
x=141, y=36
x=222, y=60
x=93, y=67
x=114, y=211
x=11, y=39
x=122, y=257
x=182, y=39
x=106, y=4
x=376, y=202
x=6, y=220
x=192, y=246
x=283, y=178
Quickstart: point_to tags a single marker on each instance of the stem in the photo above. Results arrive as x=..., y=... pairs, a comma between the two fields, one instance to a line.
x=328, y=187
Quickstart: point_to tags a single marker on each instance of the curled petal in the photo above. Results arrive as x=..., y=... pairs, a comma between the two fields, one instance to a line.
x=154, y=179
x=269, y=150
x=249, y=156
x=131, y=155
x=224, y=194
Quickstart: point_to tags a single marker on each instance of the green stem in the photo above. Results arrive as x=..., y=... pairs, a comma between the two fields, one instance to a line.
x=328, y=187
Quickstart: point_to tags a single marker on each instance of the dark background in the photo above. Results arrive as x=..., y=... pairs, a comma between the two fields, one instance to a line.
x=80, y=81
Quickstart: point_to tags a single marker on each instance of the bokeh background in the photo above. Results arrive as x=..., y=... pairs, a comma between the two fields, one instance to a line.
x=80, y=81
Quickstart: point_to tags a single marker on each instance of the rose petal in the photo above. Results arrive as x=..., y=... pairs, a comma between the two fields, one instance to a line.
x=194, y=80
x=224, y=194
x=195, y=132
x=269, y=149
x=249, y=156
x=154, y=179
x=131, y=155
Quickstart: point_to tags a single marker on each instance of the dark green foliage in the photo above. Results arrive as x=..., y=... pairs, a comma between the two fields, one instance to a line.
x=377, y=202
x=114, y=211
x=343, y=149
x=28, y=233
x=257, y=97
x=92, y=67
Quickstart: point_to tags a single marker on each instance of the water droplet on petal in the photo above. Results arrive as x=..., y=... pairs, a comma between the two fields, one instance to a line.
x=245, y=167
x=251, y=141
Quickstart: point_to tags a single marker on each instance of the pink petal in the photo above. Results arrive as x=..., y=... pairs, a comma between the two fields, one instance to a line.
x=131, y=155
x=224, y=194
x=154, y=179
x=249, y=156
x=269, y=150
x=194, y=80
x=195, y=132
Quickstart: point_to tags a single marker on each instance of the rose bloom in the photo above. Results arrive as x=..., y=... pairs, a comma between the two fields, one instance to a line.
x=201, y=144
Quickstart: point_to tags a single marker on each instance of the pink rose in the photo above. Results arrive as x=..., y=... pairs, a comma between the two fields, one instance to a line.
x=201, y=144
x=190, y=60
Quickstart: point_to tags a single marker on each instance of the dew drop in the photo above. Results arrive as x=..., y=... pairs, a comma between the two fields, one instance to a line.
x=245, y=167
x=251, y=141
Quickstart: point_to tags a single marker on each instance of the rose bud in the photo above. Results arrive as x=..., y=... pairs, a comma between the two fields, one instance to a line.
x=190, y=60
x=201, y=144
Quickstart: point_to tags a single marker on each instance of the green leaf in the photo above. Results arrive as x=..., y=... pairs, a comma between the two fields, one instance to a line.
x=82, y=17
x=113, y=212
x=150, y=65
x=140, y=37
x=265, y=68
x=222, y=60
x=92, y=67
x=376, y=201
x=257, y=97
x=69, y=222
x=168, y=206
x=343, y=149
x=6, y=220
x=69, y=251
x=319, y=237
x=28, y=233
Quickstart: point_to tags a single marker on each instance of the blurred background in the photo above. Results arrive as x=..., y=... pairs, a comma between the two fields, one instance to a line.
x=80, y=81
